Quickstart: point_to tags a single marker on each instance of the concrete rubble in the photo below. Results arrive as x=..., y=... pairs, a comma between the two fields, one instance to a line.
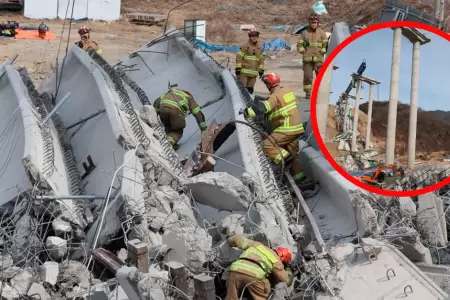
x=147, y=218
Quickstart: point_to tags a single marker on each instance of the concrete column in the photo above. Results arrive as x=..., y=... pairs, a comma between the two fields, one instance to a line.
x=437, y=6
x=393, y=97
x=356, y=116
x=413, y=105
x=442, y=13
x=323, y=100
x=369, y=117
x=345, y=115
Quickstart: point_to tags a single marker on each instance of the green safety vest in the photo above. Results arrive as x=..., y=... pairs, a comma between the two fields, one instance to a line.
x=267, y=259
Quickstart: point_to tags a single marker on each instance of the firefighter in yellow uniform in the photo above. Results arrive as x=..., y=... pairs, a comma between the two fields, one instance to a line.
x=85, y=41
x=250, y=61
x=172, y=107
x=313, y=46
x=254, y=267
x=281, y=111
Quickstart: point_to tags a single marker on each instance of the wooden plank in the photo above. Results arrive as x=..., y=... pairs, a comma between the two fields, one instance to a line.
x=313, y=228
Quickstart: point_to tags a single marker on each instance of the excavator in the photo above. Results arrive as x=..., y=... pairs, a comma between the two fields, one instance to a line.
x=379, y=175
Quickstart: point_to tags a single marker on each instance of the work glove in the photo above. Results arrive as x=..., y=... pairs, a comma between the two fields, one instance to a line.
x=237, y=71
x=249, y=113
x=203, y=127
x=261, y=73
x=290, y=276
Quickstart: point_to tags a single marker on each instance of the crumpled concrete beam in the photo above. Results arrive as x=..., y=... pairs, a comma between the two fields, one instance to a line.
x=172, y=59
x=34, y=143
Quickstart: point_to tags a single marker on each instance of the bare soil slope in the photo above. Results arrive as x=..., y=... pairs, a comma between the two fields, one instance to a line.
x=269, y=12
x=433, y=133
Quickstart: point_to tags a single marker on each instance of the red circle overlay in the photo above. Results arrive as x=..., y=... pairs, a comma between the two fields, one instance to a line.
x=313, y=109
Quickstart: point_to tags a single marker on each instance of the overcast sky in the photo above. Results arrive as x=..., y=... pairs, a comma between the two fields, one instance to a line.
x=376, y=49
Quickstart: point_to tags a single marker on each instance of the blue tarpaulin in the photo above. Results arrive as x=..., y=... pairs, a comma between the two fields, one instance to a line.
x=216, y=47
x=275, y=45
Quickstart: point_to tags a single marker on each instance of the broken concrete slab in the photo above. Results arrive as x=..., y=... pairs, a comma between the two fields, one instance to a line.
x=8, y=293
x=22, y=281
x=220, y=190
x=190, y=246
x=38, y=292
x=232, y=224
x=132, y=187
x=430, y=224
x=56, y=247
x=409, y=241
x=49, y=272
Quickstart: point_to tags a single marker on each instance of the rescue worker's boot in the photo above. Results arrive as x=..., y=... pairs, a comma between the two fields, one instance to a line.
x=176, y=147
x=250, y=90
x=308, y=94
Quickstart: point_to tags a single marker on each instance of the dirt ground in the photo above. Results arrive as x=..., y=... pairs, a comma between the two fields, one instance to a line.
x=118, y=39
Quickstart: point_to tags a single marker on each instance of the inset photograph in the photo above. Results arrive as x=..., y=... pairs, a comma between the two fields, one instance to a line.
x=388, y=122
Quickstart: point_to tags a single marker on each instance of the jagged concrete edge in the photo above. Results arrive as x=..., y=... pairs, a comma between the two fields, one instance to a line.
x=131, y=189
x=76, y=187
x=170, y=154
x=115, y=101
x=46, y=163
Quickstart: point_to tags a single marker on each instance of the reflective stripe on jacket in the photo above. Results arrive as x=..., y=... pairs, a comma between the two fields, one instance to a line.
x=281, y=111
x=259, y=264
x=184, y=103
x=312, y=44
x=250, y=59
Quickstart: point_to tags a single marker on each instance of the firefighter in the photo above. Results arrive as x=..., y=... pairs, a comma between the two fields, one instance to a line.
x=85, y=40
x=42, y=30
x=250, y=61
x=281, y=112
x=172, y=108
x=254, y=267
x=313, y=46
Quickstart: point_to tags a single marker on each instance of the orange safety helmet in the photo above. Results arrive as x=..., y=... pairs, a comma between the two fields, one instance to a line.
x=284, y=254
x=271, y=80
x=253, y=32
x=83, y=30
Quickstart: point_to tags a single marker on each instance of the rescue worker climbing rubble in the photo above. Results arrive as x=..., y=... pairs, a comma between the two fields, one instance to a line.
x=85, y=40
x=252, y=270
x=250, y=61
x=313, y=46
x=172, y=107
x=281, y=111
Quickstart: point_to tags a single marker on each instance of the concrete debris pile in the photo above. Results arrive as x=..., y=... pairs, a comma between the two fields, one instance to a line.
x=417, y=226
x=130, y=191
x=355, y=161
x=423, y=176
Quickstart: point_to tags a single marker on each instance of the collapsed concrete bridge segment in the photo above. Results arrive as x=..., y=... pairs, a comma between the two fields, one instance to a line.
x=171, y=59
x=33, y=144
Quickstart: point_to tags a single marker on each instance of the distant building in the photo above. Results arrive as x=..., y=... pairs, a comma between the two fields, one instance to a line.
x=83, y=9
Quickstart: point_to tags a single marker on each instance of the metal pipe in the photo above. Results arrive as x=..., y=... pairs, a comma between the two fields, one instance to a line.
x=86, y=119
x=369, y=118
x=70, y=197
x=356, y=116
x=393, y=97
x=56, y=107
x=413, y=105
